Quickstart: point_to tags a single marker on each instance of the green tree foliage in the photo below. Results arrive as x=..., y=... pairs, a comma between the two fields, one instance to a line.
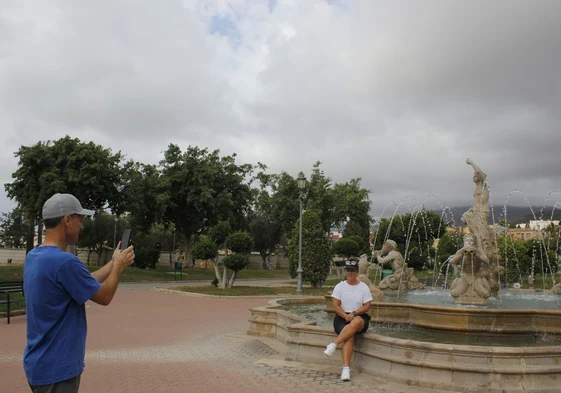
x=448, y=244
x=86, y=170
x=414, y=234
x=203, y=189
x=316, y=253
x=146, y=258
x=267, y=235
x=98, y=234
x=144, y=195
x=241, y=243
x=346, y=247
x=13, y=228
x=515, y=257
x=204, y=248
x=220, y=232
x=361, y=235
x=320, y=197
x=363, y=247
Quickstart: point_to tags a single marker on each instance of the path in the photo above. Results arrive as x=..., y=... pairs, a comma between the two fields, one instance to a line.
x=150, y=341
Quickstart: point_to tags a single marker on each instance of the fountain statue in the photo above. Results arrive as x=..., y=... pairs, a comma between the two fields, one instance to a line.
x=477, y=220
x=403, y=277
x=364, y=274
x=472, y=287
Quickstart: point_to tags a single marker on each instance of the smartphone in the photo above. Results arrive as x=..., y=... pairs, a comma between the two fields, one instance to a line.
x=126, y=240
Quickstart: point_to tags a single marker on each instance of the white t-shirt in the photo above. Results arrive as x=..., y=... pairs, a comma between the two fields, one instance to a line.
x=352, y=297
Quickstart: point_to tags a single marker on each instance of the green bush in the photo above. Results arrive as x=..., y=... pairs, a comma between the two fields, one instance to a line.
x=204, y=248
x=236, y=262
x=146, y=258
x=346, y=247
x=240, y=242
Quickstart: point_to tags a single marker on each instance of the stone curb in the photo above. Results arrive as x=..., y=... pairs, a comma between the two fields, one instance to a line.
x=195, y=294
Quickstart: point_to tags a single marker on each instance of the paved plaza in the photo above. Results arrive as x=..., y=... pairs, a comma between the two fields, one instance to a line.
x=149, y=341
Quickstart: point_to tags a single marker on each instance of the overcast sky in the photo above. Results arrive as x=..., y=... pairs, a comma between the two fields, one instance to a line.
x=398, y=93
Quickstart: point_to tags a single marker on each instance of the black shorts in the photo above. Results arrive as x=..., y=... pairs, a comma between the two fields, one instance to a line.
x=339, y=323
x=69, y=386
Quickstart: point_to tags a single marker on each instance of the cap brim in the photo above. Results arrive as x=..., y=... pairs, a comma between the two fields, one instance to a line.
x=86, y=212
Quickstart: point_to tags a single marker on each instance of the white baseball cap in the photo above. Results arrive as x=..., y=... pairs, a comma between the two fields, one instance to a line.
x=60, y=205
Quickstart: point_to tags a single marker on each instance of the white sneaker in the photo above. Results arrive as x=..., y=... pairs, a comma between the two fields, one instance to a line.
x=346, y=374
x=330, y=350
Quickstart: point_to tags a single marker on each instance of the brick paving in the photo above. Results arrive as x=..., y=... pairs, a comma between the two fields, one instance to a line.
x=150, y=341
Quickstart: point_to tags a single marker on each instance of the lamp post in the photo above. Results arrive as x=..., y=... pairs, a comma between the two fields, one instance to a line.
x=173, y=245
x=301, y=185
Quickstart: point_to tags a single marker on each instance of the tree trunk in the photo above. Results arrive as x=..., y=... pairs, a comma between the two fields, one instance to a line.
x=224, y=278
x=232, y=279
x=88, y=260
x=264, y=260
x=216, y=270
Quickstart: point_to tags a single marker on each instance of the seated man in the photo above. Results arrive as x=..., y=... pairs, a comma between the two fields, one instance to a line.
x=351, y=301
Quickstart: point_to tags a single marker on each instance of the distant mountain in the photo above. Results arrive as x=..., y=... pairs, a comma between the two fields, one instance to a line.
x=514, y=214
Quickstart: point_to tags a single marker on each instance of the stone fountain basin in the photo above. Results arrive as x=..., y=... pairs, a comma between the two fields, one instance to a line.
x=458, y=368
x=465, y=319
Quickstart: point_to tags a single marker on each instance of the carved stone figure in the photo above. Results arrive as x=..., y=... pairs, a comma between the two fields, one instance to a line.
x=472, y=287
x=364, y=274
x=477, y=219
x=402, y=277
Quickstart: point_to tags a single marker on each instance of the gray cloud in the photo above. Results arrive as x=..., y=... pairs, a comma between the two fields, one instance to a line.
x=396, y=92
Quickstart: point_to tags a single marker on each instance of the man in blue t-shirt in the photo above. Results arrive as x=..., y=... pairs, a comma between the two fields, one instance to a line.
x=57, y=285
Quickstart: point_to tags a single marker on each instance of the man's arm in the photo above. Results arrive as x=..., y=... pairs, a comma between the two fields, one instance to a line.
x=103, y=272
x=107, y=291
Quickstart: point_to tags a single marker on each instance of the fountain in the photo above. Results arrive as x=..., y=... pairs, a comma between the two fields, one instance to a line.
x=466, y=339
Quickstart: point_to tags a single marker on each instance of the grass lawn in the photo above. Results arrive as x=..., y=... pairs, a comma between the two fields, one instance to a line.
x=255, y=291
x=13, y=306
x=159, y=274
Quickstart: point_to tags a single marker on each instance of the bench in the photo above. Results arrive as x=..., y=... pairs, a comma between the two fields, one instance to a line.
x=7, y=288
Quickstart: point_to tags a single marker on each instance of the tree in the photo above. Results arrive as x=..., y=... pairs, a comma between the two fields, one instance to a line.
x=203, y=189
x=219, y=233
x=86, y=170
x=354, y=232
x=97, y=234
x=205, y=248
x=448, y=244
x=319, y=197
x=414, y=234
x=316, y=253
x=13, y=229
x=267, y=236
x=144, y=195
x=515, y=258
x=241, y=243
x=346, y=247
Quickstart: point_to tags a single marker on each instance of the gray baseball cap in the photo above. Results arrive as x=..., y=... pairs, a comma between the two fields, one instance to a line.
x=60, y=205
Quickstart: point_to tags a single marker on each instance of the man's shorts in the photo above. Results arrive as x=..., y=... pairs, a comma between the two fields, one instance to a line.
x=339, y=323
x=69, y=386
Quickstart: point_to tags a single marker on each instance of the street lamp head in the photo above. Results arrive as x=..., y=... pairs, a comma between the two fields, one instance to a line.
x=301, y=181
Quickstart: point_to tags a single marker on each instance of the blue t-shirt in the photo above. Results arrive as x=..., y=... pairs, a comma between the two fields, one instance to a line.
x=56, y=285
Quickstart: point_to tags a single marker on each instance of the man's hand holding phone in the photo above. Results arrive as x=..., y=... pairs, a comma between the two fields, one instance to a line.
x=123, y=258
